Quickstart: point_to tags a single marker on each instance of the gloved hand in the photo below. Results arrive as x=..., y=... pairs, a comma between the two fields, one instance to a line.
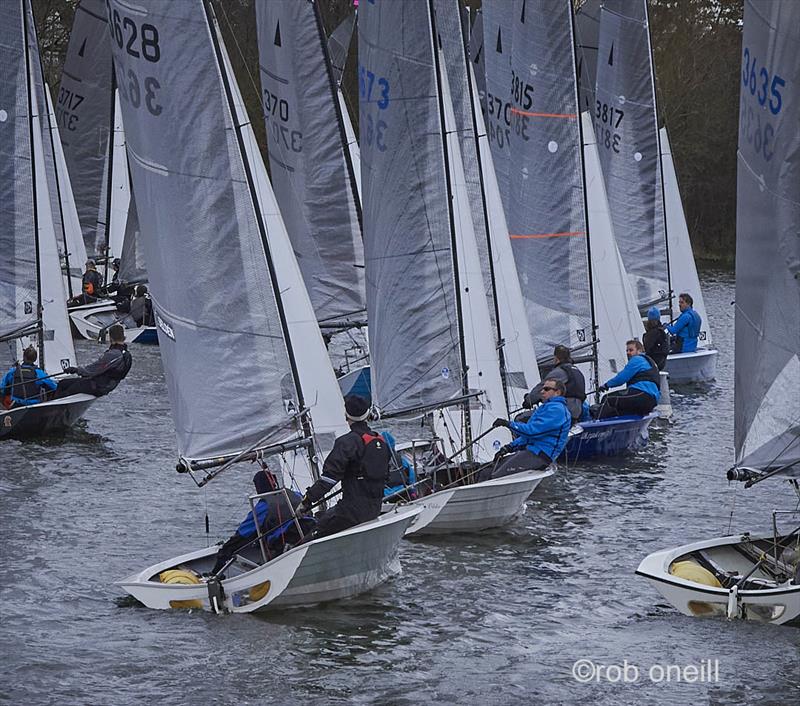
x=70, y=370
x=499, y=422
x=526, y=401
x=504, y=450
x=602, y=388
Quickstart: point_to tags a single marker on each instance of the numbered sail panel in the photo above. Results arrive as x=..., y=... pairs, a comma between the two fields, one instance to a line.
x=546, y=219
x=411, y=298
x=18, y=293
x=226, y=362
x=310, y=168
x=497, y=26
x=767, y=403
x=627, y=139
x=84, y=112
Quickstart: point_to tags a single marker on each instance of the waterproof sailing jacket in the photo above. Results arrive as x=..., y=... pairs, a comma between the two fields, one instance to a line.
x=641, y=373
x=107, y=371
x=656, y=345
x=687, y=328
x=24, y=383
x=574, y=382
x=362, y=483
x=271, y=515
x=546, y=431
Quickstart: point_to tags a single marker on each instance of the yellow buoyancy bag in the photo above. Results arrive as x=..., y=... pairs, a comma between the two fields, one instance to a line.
x=692, y=571
x=181, y=576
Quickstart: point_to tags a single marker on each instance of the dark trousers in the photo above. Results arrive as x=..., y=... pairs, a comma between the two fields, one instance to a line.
x=515, y=463
x=630, y=401
x=343, y=516
x=74, y=386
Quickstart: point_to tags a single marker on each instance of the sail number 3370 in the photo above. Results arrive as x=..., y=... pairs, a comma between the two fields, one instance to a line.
x=141, y=42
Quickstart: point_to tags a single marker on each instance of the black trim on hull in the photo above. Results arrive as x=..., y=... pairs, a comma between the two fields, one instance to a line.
x=36, y=420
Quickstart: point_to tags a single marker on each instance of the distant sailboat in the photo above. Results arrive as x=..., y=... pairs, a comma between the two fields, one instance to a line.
x=639, y=180
x=32, y=300
x=247, y=371
x=432, y=350
x=757, y=577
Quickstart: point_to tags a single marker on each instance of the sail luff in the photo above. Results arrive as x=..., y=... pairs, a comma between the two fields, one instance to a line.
x=767, y=370
x=32, y=136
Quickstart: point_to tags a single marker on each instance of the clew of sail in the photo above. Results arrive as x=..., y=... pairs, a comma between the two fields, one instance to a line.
x=767, y=382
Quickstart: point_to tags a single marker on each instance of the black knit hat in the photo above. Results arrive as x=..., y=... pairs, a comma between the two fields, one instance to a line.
x=264, y=481
x=356, y=408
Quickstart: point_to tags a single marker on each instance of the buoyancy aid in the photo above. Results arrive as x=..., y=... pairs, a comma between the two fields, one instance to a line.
x=25, y=387
x=651, y=375
x=576, y=383
x=374, y=463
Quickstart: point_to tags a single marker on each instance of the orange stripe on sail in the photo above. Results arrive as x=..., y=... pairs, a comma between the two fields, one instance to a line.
x=563, y=116
x=547, y=235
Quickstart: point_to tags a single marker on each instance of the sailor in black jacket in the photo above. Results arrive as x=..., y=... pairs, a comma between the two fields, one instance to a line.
x=102, y=376
x=359, y=461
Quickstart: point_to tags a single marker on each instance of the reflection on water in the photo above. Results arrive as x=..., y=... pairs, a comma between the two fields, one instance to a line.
x=497, y=617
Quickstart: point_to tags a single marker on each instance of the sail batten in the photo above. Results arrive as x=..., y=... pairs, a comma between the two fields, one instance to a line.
x=767, y=380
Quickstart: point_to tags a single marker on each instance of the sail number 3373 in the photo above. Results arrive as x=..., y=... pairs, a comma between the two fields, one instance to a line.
x=141, y=42
x=374, y=91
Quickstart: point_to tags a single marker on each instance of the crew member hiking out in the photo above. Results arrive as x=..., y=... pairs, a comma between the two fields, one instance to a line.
x=566, y=372
x=102, y=376
x=359, y=461
x=642, y=392
x=27, y=383
x=539, y=441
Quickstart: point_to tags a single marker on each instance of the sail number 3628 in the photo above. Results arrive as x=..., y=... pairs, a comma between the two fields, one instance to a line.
x=140, y=42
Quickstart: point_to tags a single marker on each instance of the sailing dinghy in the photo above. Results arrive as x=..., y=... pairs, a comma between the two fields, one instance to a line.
x=757, y=576
x=571, y=273
x=209, y=214
x=32, y=299
x=640, y=179
x=432, y=351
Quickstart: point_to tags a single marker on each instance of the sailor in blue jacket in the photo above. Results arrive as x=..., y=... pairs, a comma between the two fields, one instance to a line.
x=642, y=392
x=540, y=440
x=275, y=517
x=687, y=328
x=24, y=384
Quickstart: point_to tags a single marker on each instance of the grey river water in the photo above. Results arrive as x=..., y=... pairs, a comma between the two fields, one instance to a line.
x=497, y=618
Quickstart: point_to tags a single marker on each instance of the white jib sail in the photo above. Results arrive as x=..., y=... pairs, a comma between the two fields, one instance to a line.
x=616, y=313
x=317, y=379
x=352, y=142
x=682, y=268
x=120, y=187
x=483, y=368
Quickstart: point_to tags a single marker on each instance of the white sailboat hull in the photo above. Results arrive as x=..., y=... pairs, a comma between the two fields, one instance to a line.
x=476, y=507
x=698, y=366
x=778, y=604
x=340, y=566
x=90, y=320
